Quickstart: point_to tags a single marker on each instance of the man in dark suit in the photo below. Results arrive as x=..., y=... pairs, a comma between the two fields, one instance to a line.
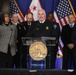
x=26, y=25
x=54, y=49
x=68, y=37
x=42, y=28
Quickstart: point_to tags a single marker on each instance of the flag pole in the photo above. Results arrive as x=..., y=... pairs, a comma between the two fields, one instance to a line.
x=72, y=7
x=18, y=8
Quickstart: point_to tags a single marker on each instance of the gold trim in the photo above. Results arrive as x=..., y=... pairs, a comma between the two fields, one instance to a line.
x=72, y=7
x=18, y=8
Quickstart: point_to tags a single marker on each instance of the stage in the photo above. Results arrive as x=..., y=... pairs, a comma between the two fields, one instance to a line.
x=35, y=72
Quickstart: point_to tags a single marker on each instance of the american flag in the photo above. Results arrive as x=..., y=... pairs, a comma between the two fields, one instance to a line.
x=63, y=10
x=14, y=9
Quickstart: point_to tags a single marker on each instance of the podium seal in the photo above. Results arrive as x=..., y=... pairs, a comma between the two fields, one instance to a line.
x=38, y=51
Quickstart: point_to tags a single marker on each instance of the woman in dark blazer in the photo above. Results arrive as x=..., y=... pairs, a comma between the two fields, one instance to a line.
x=8, y=34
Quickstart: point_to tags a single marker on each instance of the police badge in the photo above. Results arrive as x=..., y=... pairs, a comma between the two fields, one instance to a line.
x=47, y=28
x=38, y=51
x=55, y=26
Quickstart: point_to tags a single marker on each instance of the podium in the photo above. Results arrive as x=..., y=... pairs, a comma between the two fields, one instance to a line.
x=36, y=59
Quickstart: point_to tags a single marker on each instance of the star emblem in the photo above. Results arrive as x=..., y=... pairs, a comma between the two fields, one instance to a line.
x=34, y=8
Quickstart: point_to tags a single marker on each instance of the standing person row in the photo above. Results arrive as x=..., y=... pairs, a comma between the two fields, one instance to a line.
x=37, y=30
x=20, y=59
x=8, y=36
x=23, y=29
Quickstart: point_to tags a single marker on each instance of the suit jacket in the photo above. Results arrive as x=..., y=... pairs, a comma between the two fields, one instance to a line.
x=8, y=35
x=68, y=35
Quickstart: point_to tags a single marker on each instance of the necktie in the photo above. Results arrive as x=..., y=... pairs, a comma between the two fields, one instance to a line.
x=71, y=26
x=29, y=26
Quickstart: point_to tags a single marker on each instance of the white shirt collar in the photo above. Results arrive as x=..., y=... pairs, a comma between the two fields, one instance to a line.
x=71, y=24
x=14, y=23
x=29, y=24
x=42, y=21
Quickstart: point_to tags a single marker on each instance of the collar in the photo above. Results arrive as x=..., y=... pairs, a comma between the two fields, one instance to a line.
x=72, y=24
x=29, y=24
x=6, y=24
x=42, y=21
x=14, y=23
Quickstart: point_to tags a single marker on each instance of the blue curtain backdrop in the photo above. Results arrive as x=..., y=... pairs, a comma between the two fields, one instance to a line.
x=48, y=5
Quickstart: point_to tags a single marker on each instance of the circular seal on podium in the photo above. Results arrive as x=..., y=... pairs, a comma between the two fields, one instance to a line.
x=38, y=51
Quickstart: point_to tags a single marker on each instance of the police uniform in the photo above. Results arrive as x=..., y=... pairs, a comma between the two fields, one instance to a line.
x=44, y=29
x=54, y=49
x=25, y=31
